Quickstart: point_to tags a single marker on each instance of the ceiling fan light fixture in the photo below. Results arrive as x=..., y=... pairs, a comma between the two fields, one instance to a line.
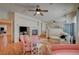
x=38, y=12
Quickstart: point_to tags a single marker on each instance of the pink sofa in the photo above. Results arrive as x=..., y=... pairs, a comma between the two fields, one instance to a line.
x=65, y=49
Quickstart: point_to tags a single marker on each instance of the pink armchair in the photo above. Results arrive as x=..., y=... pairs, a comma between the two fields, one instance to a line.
x=26, y=43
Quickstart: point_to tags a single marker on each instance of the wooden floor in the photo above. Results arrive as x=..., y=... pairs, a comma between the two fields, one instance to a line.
x=17, y=48
x=11, y=49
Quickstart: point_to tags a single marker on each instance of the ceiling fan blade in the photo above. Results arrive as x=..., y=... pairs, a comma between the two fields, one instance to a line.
x=41, y=14
x=35, y=13
x=44, y=10
x=31, y=10
x=37, y=6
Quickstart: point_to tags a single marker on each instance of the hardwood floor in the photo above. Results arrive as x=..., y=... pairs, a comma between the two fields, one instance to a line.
x=12, y=49
x=17, y=48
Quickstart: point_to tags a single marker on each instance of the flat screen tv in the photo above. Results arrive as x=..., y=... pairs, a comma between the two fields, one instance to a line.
x=34, y=32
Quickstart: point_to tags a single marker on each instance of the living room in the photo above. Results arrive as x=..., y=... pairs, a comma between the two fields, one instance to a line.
x=40, y=25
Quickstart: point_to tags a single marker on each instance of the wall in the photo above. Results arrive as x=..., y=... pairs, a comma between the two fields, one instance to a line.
x=55, y=31
x=3, y=14
x=43, y=27
x=23, y=20
x=52, y=27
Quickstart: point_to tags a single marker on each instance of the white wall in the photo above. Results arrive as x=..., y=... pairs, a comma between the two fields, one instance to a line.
x=3, y=14
x=55, y=31
x=23, y=20
x=52, y=30
x=43, y=27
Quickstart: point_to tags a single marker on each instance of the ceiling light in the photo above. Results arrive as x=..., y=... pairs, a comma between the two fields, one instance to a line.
x=38, y=12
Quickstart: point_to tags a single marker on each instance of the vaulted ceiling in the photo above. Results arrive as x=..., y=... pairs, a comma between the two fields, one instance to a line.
x=55, y=10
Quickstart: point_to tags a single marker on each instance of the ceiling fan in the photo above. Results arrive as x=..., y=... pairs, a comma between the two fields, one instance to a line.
x=38, y=10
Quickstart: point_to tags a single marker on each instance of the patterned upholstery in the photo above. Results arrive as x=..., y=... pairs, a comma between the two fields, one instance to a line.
x=26, y=43
x=35, y=44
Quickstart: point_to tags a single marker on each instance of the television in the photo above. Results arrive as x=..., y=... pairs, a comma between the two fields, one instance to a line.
x=34, y=32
